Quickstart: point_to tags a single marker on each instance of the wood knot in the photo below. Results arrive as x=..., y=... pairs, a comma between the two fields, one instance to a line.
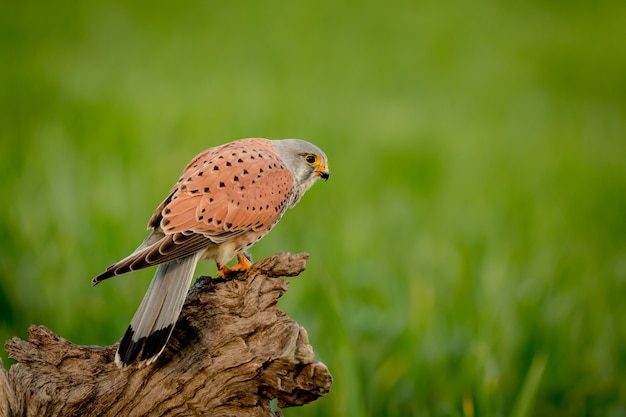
x=282, y=264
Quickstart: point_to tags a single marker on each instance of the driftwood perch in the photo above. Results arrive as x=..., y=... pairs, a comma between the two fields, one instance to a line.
x=231, y=352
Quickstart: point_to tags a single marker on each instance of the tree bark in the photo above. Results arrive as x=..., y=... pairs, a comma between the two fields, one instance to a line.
x=231, y=352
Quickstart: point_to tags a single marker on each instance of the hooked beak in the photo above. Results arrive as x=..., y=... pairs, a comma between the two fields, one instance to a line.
x=323, y=172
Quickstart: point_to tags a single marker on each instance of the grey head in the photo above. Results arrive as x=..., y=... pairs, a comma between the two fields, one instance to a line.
x=306, y=162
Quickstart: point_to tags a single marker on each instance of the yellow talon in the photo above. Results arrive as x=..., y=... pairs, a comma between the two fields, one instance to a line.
x=243, y=265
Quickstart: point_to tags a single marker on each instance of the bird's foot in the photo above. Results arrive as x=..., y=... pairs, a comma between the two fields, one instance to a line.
x=243, y=265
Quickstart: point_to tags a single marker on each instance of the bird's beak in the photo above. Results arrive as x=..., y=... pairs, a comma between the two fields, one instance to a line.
x=323, y=172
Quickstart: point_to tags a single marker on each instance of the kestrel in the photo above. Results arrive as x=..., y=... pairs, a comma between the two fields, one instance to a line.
x=225, y=201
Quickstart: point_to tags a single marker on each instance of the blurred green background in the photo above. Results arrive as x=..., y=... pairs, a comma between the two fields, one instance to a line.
x=468, y=255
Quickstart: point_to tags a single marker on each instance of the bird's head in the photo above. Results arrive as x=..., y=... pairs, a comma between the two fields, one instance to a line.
x=306, y=162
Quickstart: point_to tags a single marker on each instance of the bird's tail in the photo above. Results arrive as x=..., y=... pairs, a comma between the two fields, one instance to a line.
x=152, y=325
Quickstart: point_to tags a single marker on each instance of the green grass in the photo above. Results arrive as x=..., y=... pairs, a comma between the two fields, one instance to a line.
x=468, y=255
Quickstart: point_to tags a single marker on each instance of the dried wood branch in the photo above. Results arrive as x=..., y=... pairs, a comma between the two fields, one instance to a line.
x=232, y=351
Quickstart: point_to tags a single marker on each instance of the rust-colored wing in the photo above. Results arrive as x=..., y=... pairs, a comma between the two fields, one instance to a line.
x=224, y=192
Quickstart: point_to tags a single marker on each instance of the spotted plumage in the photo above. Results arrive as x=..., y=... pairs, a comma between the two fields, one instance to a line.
x=226, y=199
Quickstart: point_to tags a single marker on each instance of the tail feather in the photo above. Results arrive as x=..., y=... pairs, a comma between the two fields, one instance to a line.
x=156, y=316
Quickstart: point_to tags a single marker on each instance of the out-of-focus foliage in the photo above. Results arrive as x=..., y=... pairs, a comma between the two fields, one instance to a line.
x=468, y=254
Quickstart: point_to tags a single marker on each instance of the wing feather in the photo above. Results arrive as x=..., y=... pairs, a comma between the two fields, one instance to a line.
x=223, y=192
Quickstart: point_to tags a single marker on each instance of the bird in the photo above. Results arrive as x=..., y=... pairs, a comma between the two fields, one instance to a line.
x=226, y=199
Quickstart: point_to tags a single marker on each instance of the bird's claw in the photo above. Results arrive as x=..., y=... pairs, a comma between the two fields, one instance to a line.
x=243, y=265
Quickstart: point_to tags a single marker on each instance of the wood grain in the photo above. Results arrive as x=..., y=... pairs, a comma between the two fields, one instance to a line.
x=232, y=351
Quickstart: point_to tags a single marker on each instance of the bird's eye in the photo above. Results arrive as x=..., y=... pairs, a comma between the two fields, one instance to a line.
x=312, y=159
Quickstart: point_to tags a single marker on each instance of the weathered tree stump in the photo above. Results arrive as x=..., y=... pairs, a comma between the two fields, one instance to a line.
x=232, y=351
